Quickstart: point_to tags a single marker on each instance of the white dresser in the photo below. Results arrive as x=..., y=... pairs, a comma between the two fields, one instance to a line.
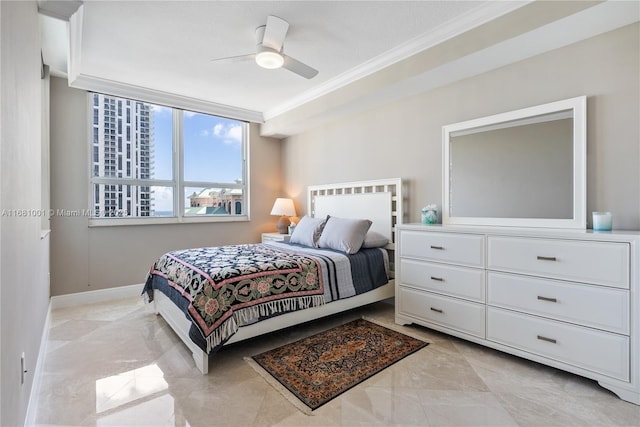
x=568, y=299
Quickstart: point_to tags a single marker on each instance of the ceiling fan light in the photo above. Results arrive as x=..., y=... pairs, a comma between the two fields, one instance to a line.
x=269, y=59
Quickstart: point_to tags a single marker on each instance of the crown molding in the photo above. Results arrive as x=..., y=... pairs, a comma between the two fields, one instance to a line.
x=57, y=9
x=591, y=22
x=79, y=80
x=74, y=50
x=588, y=23
x=445, y=31
x=154, y=96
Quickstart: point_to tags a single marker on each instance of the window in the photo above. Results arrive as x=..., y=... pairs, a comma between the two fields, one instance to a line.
x=180, y=165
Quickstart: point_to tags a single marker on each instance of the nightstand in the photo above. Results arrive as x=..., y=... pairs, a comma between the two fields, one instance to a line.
x=275, y=237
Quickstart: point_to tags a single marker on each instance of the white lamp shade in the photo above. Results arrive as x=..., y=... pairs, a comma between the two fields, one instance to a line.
x=284, y=207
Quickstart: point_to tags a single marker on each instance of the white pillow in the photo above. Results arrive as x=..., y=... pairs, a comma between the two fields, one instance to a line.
x=375, y=240
x=307, y=231
x=344, y=234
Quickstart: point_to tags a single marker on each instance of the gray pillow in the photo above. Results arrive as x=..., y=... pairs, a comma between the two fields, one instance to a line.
x=307, y=231
x=375, y=240
x=344, y=234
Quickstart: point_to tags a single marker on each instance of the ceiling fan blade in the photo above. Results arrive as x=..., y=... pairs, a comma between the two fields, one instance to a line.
x=299, y=68
x=235, y=59
x=275, y=32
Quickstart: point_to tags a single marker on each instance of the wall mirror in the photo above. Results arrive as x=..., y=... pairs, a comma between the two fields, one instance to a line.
x=524, y=168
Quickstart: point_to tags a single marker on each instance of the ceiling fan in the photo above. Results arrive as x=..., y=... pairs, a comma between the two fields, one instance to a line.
x=269, y=52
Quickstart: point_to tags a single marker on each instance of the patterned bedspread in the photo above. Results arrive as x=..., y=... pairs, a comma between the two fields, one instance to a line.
x=223, y=288
x=231, y=286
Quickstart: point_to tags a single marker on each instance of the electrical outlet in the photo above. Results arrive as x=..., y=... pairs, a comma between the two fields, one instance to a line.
x=23, y=369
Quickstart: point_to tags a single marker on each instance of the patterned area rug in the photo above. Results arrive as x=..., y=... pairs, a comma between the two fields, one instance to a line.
x=318, y=368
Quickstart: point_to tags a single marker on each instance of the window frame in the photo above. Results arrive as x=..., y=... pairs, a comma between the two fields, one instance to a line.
x=177, y=183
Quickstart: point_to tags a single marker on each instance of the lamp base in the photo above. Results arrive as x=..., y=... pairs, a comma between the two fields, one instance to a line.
x=283, y=225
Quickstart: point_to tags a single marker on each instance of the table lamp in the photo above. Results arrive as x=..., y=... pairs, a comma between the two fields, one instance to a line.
x=284, y=208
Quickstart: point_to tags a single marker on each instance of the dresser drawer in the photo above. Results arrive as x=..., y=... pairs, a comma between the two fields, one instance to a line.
x=597, y=351
x=446, y=279
x=601, y=263
x=594, y=306
x=464, y=249
x=464, y=316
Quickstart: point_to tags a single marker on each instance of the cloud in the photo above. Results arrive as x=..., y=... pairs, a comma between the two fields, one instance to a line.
x=189, y=114
x=205, y=133
x=159, y=109
x=230, y=133
x=235, y=133
x=163, y=198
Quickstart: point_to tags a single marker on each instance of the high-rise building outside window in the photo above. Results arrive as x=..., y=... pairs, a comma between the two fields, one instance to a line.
x=154, y=164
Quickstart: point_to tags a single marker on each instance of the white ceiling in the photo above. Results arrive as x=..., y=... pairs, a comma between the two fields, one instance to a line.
x=167, y=46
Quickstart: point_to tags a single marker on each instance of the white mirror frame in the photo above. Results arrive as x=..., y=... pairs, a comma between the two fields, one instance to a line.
x=578, y=106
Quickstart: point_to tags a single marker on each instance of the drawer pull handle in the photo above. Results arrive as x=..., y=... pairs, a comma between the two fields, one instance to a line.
x=547, y=258
x=437, y=310
x=437, y=247
x=551, y=340
x=437, y=279
x=541, y=298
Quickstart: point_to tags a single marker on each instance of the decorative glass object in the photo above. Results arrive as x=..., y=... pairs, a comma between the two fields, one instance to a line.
x=429, y=214
x=602, y=221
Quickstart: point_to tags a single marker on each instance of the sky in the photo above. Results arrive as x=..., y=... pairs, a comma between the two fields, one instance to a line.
x=212, y=151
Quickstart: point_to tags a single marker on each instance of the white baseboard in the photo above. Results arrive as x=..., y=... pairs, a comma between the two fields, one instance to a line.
x=37, y=375
x=100, y=295
x=70, y=300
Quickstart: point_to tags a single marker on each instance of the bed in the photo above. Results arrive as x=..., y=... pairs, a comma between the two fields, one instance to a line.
x=212, y=297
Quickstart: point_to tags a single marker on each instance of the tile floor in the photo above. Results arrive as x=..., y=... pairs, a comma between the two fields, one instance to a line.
x=117, y=364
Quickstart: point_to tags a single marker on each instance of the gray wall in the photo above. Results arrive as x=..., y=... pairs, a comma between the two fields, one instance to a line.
x=515, y=172
x=86, y=258
x=404, y=138
x=24, y=288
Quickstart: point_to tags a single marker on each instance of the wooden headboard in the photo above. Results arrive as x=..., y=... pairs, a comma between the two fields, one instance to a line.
x=380, y=201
